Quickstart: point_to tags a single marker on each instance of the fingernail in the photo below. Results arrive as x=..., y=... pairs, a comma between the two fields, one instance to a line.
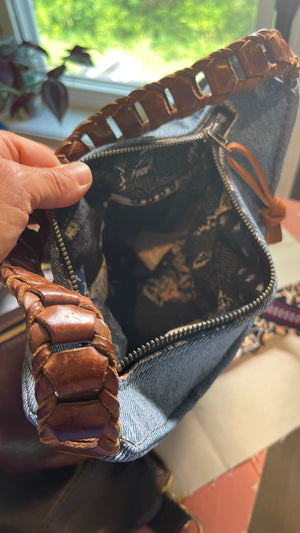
x=82, y=173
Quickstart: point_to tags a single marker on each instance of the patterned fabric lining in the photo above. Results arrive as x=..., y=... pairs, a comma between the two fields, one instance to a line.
x=176, y=251
x=183, y=259
x=282, y=317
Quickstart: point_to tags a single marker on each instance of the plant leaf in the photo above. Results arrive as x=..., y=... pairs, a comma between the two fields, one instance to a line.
x=8, y=46
x=55, y=97
x=78, y=54
x=21, y=102
x=29, y=44
x=6, y=71
x=77, y=49
x=57, y=72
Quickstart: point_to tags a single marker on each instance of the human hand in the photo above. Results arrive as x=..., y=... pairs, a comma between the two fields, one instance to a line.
x=31, y=177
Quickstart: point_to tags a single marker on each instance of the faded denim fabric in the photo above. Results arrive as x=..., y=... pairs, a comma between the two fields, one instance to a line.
x=160, y=388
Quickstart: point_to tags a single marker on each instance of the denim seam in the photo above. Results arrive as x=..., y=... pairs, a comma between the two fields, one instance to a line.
x=125, y=382
x=278, y=150
x=170, y=414
x=146, y=437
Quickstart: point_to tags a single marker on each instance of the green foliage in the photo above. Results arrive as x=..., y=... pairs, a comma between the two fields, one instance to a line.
x=181, y=29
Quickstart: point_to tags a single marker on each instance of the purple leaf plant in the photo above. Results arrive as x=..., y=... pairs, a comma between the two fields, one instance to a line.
x=24, y=76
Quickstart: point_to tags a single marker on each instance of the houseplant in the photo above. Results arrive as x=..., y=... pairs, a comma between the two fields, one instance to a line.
x=25, y=78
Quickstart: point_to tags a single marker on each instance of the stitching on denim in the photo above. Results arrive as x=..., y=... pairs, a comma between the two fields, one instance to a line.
x=124, y=382
x=208, y=377
x=146, y=437
x=127, y=381
x=279, y=149
x=192, y=392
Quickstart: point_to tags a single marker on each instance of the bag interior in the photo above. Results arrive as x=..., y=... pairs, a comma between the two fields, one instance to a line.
x=161, y=242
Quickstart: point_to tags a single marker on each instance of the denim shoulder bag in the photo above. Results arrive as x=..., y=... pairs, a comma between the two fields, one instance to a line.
x=161, y=269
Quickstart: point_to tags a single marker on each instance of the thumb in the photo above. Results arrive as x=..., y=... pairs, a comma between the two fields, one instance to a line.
x=59, y=186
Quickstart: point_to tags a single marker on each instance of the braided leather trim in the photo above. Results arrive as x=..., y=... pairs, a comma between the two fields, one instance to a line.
x=77, y=386
x=238, y=67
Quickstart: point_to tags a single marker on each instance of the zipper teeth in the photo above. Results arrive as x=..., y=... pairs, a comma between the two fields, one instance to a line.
x=264, y=249
x=13, y=332
x=64, y=252
x=151, y=146
x=186, y=331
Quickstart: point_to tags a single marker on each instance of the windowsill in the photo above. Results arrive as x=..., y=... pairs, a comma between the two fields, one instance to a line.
x=85, y=99
x=45, y=127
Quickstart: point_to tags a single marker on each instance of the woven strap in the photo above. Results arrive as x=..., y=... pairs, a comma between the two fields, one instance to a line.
x=238, y=67
x=73, y=358
x=74, y=365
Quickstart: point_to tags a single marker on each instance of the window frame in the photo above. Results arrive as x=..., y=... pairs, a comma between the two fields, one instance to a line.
x=86, y=96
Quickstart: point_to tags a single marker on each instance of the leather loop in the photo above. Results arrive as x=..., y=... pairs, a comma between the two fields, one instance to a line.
x=67, y=323
x=274, y=210
x=221, y=80
x=61, y=369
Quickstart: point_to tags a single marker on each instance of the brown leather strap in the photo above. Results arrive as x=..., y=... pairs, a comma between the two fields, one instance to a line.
x=238, y=67
x=274, y=210
x=77, y=384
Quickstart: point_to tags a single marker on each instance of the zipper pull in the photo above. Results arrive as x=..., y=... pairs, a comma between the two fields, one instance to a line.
x=274, y=210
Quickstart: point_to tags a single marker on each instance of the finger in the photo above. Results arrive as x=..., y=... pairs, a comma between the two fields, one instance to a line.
x=25, y=151
x=58, y=186
x=23, y=189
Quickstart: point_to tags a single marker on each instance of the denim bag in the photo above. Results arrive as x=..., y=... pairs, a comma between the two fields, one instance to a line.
x=161, y=269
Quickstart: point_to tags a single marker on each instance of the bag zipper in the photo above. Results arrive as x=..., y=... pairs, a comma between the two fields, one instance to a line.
x=184, y=332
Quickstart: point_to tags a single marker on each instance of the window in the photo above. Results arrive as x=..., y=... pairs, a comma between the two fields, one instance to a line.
x=142, y=40
x=131, y=41
x=154, y=37
x=134, y=41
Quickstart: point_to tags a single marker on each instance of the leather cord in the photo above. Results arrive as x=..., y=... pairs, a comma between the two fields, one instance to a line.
x=274, y=210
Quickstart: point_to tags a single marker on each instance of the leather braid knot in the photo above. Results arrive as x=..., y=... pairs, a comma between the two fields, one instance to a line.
x=272, y=216
x=274, y=213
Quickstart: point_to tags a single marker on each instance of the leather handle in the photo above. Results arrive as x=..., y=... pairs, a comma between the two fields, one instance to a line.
x=240, y=66
x=74, y=365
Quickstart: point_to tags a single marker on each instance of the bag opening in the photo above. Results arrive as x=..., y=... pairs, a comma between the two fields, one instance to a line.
x=172, y=248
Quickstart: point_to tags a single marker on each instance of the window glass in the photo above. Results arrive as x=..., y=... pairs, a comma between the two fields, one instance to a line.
x=141, y=40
